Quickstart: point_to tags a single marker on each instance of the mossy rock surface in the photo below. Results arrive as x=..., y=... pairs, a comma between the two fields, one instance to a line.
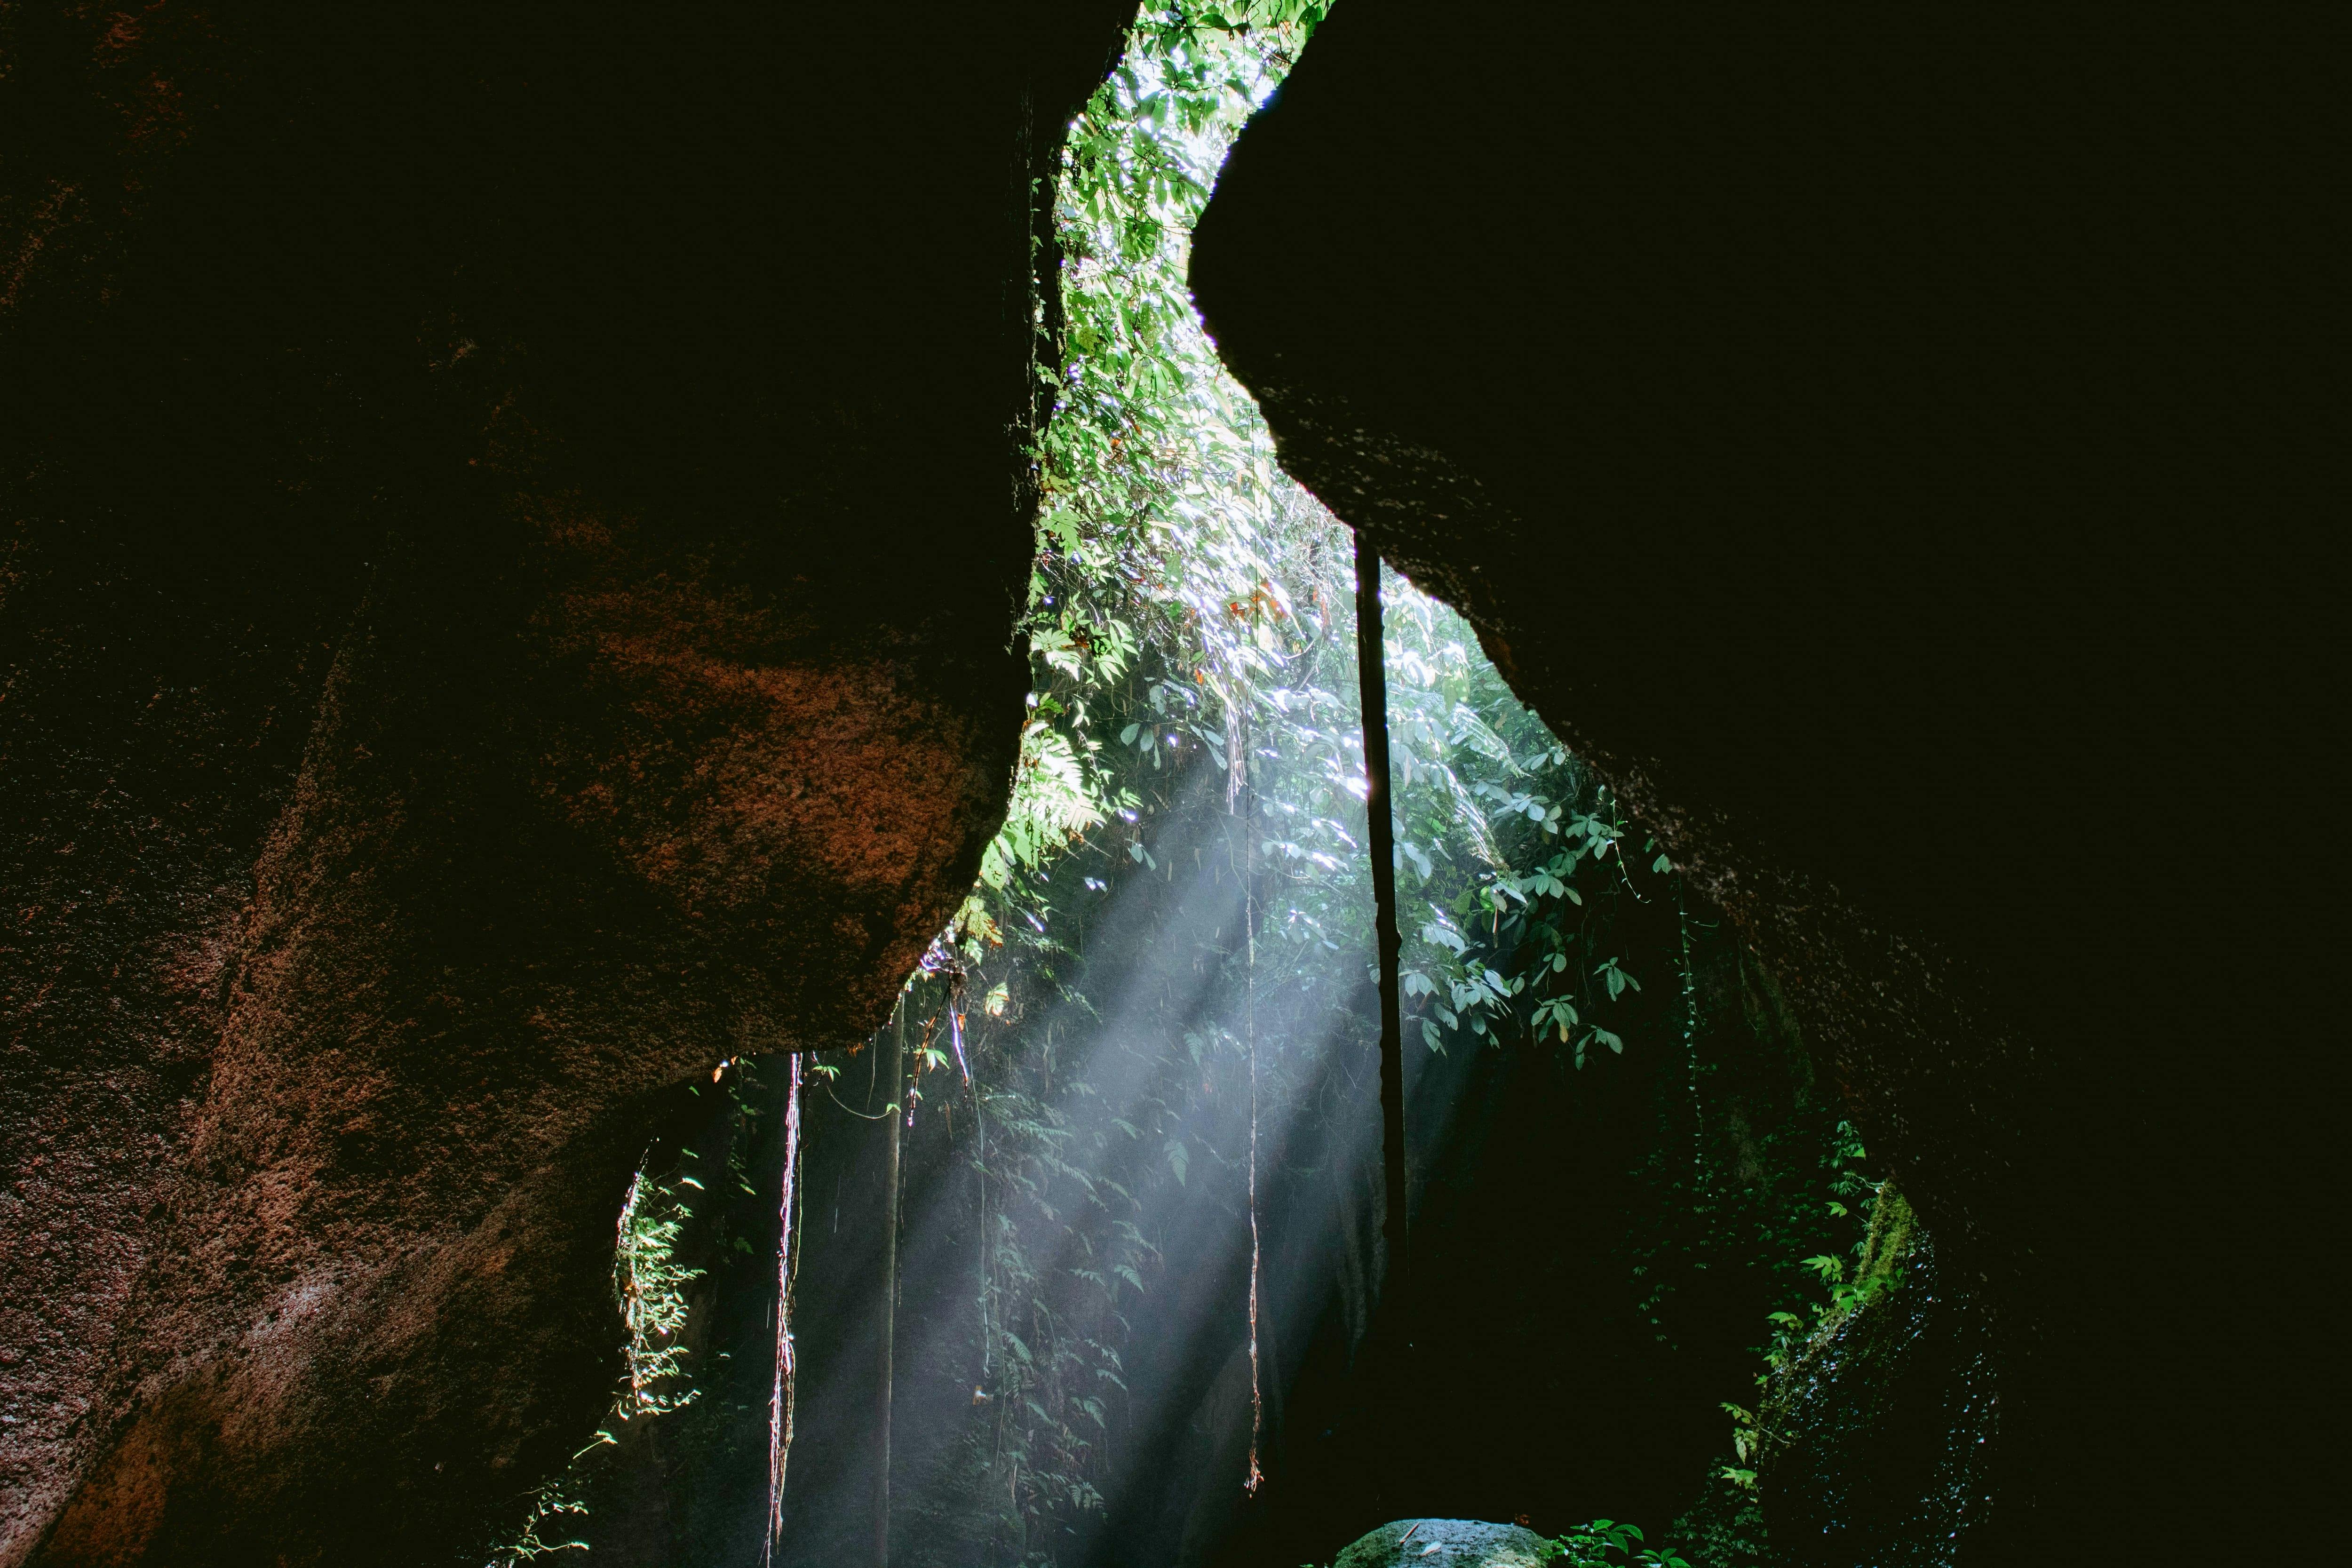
x=1458, y=1543
x=1885, y=1425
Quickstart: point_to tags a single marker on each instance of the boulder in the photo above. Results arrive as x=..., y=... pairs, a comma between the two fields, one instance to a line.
x=1447, y=1544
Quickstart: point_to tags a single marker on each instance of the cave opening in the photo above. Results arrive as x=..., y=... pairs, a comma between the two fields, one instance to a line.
x=1085, y=1262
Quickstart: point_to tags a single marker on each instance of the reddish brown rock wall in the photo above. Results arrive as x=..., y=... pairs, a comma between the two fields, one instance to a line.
x=515, y=523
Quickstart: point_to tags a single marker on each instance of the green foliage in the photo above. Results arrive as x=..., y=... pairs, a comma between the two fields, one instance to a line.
x=1725, y=1529
x=1190, y=618
x=1846, y=1282
x=1509, y=861
x=1190, y=623
x=1165, y=611
x=649, y=1287
x=550, y=1504
x=1186, y=595
x=1608, y=1543
x=1051, y=805
x=1156, y=478
x=1191, y=614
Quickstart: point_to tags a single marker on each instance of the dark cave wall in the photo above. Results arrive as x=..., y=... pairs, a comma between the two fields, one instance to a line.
x=515, y=521
x=1897, y=449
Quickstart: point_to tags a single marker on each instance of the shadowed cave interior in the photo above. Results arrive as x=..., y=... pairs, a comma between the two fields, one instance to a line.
x=689, y=842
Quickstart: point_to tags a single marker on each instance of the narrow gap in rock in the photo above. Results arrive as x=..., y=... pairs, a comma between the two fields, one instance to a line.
x=1141, y=1291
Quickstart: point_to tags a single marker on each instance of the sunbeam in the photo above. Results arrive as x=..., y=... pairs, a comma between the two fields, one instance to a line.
x=1113, y=1277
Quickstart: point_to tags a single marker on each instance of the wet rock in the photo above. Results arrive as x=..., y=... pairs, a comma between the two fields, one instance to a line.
x=1445, y=1543
x=1883, y=1434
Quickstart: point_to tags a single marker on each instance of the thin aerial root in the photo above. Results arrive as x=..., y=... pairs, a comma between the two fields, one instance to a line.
x=781, y=1399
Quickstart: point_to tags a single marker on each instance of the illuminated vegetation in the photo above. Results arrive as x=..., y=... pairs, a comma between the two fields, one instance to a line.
x=1146, y=1038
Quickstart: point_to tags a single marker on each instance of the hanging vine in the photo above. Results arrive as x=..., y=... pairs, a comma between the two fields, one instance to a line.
x=782, y=1396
